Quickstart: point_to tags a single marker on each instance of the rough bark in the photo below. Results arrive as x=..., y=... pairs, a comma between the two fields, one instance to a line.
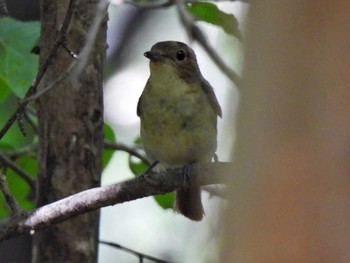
x=71, y=133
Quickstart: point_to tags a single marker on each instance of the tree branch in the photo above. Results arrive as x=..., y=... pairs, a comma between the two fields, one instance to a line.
x=140, y=255
x=145, y=185
x=33, y=88
x=16, y=210
x=12, y=165
x=29, y=149
x=122, y=147
x=194, y=32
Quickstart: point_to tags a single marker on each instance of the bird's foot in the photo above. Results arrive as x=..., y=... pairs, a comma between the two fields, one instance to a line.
x=147, y=174
x=216, y=158
x=186, y=170
x=150, y=168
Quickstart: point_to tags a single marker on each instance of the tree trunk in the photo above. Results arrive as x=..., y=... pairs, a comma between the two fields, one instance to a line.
x=71, y=133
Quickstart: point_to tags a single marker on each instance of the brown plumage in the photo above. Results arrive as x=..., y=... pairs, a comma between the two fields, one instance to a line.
x=178, y=111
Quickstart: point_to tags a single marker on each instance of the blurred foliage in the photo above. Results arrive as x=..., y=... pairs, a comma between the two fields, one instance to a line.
x=19, y=188
x=107, y=153
x=13, y=139
x=136, y=166
x=18, y=66
x=166, y=201
x=12, y=142
x=210, y=13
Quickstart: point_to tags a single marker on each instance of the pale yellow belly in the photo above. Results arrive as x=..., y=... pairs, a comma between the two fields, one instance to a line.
x=177, y=132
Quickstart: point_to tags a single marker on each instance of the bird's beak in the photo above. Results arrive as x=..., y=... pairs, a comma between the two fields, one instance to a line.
x=153, y=56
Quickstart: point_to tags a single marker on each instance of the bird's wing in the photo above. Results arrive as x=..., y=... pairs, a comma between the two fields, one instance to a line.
x=209, y=92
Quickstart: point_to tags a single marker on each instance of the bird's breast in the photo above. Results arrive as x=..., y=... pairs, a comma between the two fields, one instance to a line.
x=178, y=125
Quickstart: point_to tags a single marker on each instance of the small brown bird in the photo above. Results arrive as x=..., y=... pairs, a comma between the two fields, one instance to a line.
x=178, y=111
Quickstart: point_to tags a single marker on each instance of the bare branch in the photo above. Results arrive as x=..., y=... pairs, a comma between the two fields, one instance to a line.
x=131, y=251
x=88, y=200
x=29, y=120
x=195, y=33
x=85, y=53
x=33, y=88
x=78, y=65
x=29, y=150
x=12, y=165
x=122, y=147
x=67, y=48
x=16, y=210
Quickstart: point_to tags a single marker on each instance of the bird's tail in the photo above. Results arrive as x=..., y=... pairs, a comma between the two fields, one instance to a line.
x=188, y=203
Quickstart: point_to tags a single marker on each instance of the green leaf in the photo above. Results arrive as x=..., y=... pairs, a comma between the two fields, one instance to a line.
x=18, y=66
x=137, y=167
x=165, y=201
x=4, y=210
x=107, y=153
x=4, y=89
x=138, y=141
x=210, y=13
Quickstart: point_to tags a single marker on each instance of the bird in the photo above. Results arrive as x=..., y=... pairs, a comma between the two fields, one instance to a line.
x=178, y=110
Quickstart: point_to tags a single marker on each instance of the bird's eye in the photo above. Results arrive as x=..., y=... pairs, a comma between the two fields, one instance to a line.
x=181, y=55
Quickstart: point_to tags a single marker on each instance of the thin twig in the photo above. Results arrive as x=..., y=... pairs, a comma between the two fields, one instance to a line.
x=10, y=164
x=19, y=118
x=85, y=53
x=67, y=48
x=30, y=121
x=23, y=151
x=133, y=252
x=195, y=33
x=122, y=147
x=52, y=54
x=76, y=67
x=54, y=83
x=16, y=210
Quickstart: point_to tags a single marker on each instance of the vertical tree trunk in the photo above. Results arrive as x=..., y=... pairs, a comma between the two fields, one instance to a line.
x=290, y=200
x=71, y=134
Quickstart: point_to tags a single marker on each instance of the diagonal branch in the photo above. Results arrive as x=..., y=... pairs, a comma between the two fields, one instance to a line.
x=122, y=147
x=95, y=198
x=12, y=165
x=33, y=88
x=26, y=150
x=10, y=200
x=195, y=33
